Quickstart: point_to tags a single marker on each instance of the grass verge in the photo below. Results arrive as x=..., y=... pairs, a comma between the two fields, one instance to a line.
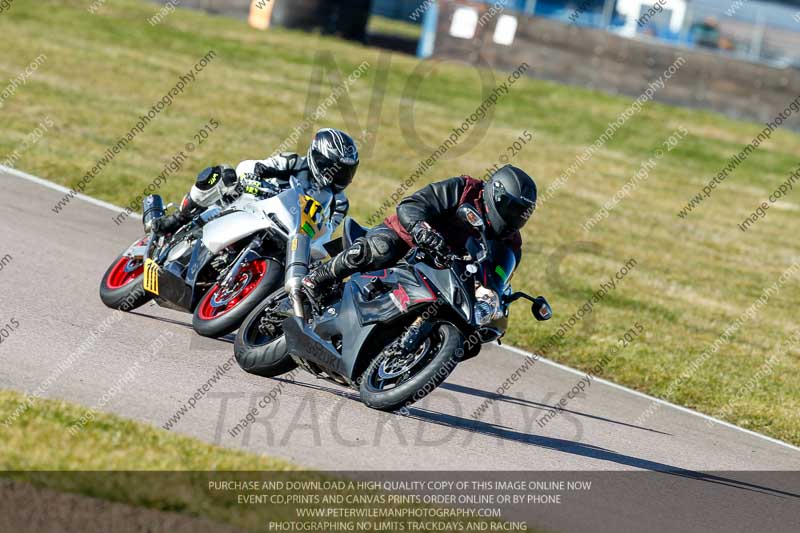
x=389, y=26
x=38, y=444
x=122, y=461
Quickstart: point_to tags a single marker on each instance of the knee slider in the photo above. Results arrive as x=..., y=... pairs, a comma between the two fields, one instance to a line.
x=380, y=245
x=229, y=177
x=208, y=178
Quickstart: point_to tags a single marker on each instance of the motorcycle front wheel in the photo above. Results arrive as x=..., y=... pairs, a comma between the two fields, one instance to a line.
x=121, y=287
x=260, y=346
x=222, y=310
x=393, y=381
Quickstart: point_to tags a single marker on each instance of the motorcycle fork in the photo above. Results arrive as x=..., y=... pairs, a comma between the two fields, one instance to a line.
x=417, y=332
x=233, y=273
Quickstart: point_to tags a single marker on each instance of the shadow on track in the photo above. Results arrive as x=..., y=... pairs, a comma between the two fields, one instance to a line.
x=561, y=445
x=229, y=339
x=585, y=450
x=536, y=405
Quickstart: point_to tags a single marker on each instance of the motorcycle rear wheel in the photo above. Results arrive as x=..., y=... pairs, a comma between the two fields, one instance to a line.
x=259, y=352
x=424, y=371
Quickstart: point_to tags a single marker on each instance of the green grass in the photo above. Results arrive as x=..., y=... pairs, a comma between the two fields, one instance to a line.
x=389, y=26
x=694, y=276
x=119, y=460
x=38, y=444
x=107, y=443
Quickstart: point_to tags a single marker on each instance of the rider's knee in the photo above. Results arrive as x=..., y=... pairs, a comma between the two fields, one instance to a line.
x=359, y=255
x=383, y=250
x=212, y=183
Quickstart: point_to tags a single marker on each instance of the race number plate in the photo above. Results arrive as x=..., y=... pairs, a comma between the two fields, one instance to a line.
x=311, y=217
x=151, y=276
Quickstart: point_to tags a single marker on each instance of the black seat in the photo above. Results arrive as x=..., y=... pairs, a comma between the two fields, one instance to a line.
x=352, y=230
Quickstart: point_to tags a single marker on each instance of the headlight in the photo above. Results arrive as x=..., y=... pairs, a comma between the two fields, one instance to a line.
x=487, y=307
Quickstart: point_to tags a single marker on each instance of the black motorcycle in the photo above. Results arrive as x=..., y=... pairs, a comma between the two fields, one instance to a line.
x=395, y=335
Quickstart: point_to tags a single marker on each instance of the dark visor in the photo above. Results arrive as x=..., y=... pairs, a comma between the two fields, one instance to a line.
x=515, y=211
x=339, y=173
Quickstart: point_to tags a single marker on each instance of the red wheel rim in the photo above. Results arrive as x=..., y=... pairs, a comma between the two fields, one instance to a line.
x=220, y=301
x=126, y=270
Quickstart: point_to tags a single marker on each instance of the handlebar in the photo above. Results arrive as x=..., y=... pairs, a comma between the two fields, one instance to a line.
x=444, y=261
x=441, y=260
x=268, y=190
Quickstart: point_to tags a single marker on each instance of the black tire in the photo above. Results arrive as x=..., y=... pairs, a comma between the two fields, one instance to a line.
x=125, y=297
x=230, y=321
x=260, y=354
x=448, y=354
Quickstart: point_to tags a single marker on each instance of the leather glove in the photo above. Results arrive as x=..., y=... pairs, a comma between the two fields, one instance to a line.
x=428, y=238
x=250, y=184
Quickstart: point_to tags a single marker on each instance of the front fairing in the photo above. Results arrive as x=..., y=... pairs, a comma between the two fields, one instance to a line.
x=375, y=303
x=297, y=209
x=405, y=292
x=406, y=288
x=292, y=210
x=496, y=272
x=412, y=285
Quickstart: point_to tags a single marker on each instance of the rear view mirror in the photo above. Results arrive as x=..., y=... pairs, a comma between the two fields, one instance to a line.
x=471, y=216
x=540, y=309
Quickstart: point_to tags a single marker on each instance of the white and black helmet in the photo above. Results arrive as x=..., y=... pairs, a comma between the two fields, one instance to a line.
x=333, y=158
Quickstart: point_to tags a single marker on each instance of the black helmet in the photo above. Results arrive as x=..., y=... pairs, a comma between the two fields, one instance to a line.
x=510, y=198
x=333, y=158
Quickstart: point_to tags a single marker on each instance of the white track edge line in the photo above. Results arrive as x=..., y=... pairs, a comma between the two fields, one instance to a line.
x=634, y=392
x=513, y=349
x=65, y=190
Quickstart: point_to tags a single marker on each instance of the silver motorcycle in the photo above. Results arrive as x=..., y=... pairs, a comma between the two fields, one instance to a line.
x=226, y=260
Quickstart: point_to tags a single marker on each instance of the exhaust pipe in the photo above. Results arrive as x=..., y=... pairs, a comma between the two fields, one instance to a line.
x=298, y=257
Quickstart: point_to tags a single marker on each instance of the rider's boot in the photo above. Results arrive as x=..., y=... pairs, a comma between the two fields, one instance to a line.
x=323, y=277
x=319, y=279
x=358, y=257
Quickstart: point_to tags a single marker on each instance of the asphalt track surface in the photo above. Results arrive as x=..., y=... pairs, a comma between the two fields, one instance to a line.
x=685, y=471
